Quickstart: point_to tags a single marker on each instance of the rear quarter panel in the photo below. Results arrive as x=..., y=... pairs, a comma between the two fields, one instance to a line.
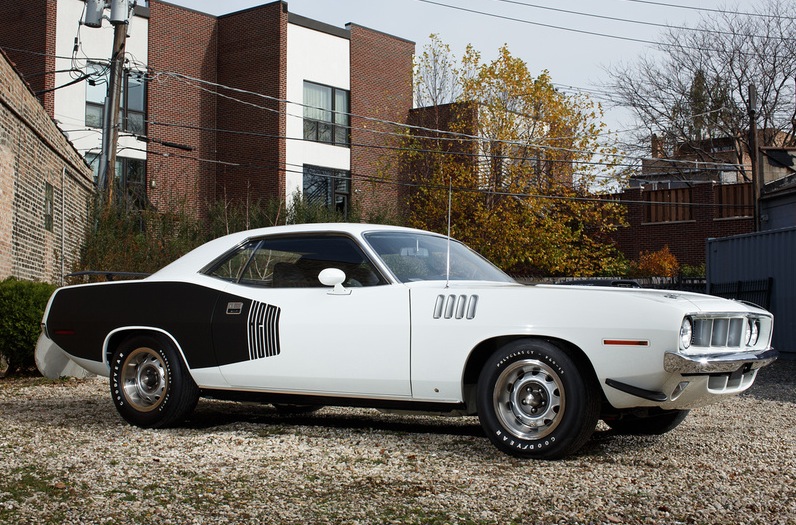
x=80, y=318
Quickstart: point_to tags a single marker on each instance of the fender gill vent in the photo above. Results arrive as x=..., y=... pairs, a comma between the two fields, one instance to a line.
x=263, y=326
x=455, y=306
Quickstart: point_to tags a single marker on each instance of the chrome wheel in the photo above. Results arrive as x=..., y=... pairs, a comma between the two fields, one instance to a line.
x=528, y=399
x=144, y=379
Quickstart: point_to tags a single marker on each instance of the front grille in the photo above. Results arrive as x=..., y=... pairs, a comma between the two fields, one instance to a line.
x=722, y=332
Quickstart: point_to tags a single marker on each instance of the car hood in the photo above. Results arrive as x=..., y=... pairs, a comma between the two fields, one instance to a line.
x=693, y=302
x=699, y=302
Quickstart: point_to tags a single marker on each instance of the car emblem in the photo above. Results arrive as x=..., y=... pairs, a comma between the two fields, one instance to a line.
x=234, y=308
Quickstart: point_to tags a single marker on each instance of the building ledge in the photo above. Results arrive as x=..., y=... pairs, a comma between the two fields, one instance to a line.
x=666, y=223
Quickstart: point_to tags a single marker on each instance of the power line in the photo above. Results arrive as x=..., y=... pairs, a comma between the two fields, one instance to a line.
x=444, y=187
x=709, y=10
x=580, y=31
x=454, y=136
x=619, y=19
x=435, y=132
x=73, y=81
x=540, y=24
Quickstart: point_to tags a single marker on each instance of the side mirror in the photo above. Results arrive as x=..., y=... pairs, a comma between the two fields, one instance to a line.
x=334, y=277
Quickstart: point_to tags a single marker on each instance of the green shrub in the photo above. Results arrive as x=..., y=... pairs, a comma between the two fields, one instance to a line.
x=693, y=272
x=129, y=240
x=22, y=305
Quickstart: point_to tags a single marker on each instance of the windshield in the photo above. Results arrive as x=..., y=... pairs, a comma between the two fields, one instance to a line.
x=423, y=257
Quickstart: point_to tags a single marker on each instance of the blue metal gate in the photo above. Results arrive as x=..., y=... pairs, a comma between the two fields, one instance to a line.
x=768, y=256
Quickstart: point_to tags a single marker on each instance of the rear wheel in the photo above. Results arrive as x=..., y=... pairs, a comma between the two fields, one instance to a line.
x=150, y=385
x=655, y=423
x=535, y=401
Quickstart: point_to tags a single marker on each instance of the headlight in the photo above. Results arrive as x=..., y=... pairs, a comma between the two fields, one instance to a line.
x=754, y=332
x=686, y=333
x=747, y=336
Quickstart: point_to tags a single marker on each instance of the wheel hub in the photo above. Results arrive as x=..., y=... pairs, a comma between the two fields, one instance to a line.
x=144, y=379
x=528, y=398
x=533, y=400
x=150, y=379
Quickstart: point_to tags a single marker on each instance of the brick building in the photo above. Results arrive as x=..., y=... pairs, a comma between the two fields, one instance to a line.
x=45, y=187
x=267, y=101
x=701, y=191
x=684, y=218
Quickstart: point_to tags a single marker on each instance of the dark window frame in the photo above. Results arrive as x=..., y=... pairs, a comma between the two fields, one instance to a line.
x=338, y=128
x=126, y=114
x=338, y=189
x=49, y=206
x=134, y=190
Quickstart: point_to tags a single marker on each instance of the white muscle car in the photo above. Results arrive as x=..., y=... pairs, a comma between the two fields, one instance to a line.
x=396, y=318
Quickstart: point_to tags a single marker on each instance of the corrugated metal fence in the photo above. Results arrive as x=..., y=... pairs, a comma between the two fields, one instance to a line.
x=764, y=260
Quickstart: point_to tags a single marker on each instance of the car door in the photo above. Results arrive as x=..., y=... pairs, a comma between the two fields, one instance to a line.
x=277, y=328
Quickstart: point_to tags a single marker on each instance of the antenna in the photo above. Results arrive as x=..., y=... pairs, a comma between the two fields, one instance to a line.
x=448, y=262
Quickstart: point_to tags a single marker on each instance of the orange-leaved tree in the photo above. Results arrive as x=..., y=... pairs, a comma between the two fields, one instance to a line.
x=517, y=163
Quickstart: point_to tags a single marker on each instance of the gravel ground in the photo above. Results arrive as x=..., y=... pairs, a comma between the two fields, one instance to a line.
x=67, y=457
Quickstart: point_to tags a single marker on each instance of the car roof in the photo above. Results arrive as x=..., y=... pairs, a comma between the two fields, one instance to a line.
x=196, y=259
x=332, y=227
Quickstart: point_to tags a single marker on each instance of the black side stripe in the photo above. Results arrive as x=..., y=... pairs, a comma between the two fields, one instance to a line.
x=263, y=336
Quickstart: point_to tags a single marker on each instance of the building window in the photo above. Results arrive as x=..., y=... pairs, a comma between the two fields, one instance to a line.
x=48, y=206
x=326, y=116
x=328, y=187
x=130, y=183
x=133, y=101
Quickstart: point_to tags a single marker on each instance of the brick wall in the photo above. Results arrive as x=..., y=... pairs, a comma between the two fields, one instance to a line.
x=240, y=142
x=180, y=111
x=33, y=154
x=33, y=49
x=252, y=56
x=381, y=87
x=686, y=239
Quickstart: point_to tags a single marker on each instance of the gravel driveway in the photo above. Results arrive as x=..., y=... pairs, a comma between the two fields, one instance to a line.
x=67, y=457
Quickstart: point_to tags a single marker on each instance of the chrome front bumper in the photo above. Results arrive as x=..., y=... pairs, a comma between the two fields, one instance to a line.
x=717, y=363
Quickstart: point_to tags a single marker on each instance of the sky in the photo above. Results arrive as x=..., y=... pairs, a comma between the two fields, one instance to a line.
x=574, y=52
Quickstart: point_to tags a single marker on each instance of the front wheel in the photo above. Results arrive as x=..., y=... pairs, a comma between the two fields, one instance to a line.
x=150, y=385
x=535, y=401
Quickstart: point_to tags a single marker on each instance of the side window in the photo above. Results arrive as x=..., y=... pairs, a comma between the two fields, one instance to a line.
x=295, y=262
x=231, y=267
x=265, y=263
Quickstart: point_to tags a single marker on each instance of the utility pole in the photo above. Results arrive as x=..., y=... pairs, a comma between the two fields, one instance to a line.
x=119, y=18
x=754, y=153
